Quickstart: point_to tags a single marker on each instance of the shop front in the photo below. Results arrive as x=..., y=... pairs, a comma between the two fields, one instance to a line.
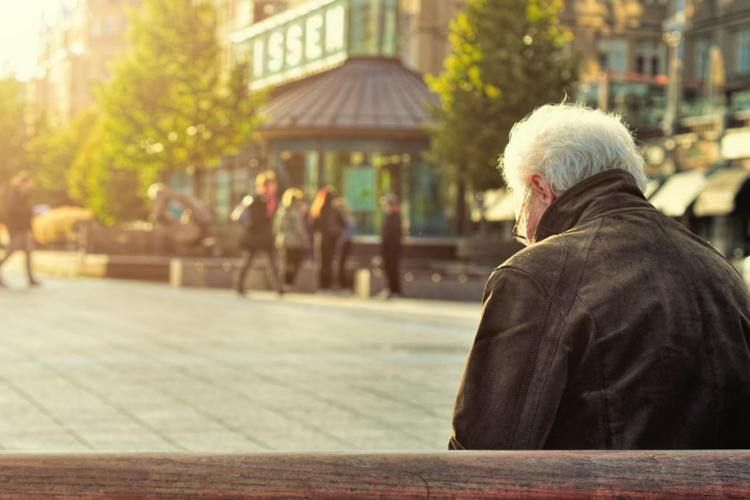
x=359, y=128
x=342, y=111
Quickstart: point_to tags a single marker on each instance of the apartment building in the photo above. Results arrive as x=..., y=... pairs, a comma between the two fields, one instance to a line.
x=717, y=39
x=623, y=58
x=78, y=39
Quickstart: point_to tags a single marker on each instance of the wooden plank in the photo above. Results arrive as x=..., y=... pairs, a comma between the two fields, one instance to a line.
x=565, y=474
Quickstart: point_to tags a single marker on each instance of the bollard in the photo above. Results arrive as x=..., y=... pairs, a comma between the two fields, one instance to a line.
x=175, y=273
x=362, y=283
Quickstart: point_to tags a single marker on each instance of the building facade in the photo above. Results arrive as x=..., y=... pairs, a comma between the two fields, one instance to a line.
x=707, y=157
x=78, y=39
x=624, y=59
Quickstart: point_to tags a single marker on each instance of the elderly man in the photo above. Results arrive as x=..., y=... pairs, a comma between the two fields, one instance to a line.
x=616, y=328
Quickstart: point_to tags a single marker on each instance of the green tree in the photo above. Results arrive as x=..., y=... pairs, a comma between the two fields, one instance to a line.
x=52, y=151
x=169, y=106
x=13, y=137
x=509, y=57
x=112, y=194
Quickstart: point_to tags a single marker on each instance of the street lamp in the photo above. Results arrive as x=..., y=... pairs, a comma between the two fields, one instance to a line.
x=673, y=39
x=673, y=28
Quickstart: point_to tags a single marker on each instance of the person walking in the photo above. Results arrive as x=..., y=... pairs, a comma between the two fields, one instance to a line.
x=345, y=243
x=18, y=214
x=258, y=239
x=291, y=234
x=328, y=223
x=391, y=245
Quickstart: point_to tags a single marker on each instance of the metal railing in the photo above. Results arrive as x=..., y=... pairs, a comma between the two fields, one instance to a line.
x=536, y=474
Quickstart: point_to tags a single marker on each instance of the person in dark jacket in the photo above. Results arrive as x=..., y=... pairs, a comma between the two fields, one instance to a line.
x=391, y=245
x=258, y=239
x=328, y=223
x=616, y=328
x=18, y=214
x=345, y=244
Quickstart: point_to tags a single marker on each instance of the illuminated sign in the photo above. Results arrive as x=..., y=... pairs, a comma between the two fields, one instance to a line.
x=294, y=43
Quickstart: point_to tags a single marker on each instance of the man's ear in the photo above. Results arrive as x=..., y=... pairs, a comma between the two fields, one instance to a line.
x=542, y=188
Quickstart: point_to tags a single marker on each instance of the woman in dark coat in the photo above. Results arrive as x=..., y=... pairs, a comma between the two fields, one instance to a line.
x=329, y=224
x=259, y=239
x=17, y=218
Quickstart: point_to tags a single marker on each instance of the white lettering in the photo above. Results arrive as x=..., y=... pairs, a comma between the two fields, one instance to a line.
x=313, y=50
x=335, y=29
x=258, y=54
x=294, y=45
x=275, y=52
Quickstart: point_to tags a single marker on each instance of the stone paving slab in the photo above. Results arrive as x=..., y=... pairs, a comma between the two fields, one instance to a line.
x=103, y=365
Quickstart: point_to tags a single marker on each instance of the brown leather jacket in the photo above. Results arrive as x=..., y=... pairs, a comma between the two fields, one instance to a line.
x=618, y=329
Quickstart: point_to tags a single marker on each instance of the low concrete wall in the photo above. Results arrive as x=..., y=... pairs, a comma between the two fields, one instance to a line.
x=451, y=282
x=62, y=263
x=219, y=273
x=73, y=264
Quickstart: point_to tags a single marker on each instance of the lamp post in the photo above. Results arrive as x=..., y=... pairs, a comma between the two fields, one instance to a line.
x=673, y=29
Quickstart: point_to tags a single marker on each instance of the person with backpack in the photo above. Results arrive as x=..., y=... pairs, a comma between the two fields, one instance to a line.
x=258, y=238
x=328, y=223
x=291, y=234
x=18, y=214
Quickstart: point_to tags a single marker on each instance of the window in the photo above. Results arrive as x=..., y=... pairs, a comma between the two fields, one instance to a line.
x=743, y=51
x=613, y=54
x=373, y=27
x=96, y=27
x=650, y=57
x=109, y=25
x=701, y=54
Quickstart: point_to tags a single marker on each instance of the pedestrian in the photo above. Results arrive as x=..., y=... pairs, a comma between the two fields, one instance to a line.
x=391, y=245
x=18, y=214
x=328, y=224
x=258, y=238
x=616, y=328
x=291, y=234
x=345, y=243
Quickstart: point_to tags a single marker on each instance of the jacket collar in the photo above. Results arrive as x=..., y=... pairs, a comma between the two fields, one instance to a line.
x=599, y=195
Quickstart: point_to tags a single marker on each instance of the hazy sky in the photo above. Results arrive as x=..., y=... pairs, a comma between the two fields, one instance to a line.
x=19, y=31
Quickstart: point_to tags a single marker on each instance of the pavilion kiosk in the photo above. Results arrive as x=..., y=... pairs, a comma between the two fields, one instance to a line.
x=344, y=111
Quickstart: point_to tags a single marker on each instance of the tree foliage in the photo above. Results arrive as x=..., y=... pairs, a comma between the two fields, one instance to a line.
x=13, y=137
x=52, y=150
x=112, y=194
x=169, y=106
x=509, y=57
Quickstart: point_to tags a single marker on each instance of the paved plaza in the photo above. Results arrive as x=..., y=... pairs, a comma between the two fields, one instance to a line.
x=103, y=365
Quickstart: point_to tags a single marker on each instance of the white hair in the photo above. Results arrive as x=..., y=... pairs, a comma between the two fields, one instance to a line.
x=566, y=144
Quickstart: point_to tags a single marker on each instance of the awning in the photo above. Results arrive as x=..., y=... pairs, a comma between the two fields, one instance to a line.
x=678, y=192
x=499, y=207
x=720, y=193
x=365, y=96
